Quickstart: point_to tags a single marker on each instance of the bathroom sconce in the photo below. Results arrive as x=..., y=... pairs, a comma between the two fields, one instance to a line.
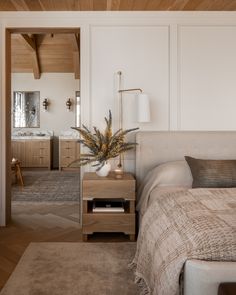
x=45, y=104
x=68, y=104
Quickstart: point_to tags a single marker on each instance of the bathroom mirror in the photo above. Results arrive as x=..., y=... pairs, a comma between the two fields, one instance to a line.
x=26, y=106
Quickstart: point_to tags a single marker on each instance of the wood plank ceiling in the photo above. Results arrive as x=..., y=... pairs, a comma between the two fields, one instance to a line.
x=42, y=53
x=48, y=53
x=120, y=5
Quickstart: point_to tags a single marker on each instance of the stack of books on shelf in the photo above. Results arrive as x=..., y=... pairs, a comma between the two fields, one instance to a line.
x=111, y=205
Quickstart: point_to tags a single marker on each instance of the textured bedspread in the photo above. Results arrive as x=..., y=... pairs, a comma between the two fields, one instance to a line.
x=192, y=224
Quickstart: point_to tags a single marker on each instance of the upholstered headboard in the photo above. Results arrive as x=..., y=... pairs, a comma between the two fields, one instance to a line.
x=162, y=146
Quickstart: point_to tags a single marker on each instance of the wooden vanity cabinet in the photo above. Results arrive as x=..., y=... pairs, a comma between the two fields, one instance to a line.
x=38, y=153
x=32, y=153
x=18, y=151
x=69, y=150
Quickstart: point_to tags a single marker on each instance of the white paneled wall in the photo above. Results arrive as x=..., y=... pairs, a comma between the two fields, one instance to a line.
x=142, y=54
x=207, y=77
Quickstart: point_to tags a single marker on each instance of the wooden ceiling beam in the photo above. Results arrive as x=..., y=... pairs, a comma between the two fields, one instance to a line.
x=56, y=55
x=75, y=42
x=31, y=44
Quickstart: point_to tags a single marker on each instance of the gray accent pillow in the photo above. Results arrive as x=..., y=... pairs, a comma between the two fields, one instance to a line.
x=212, y=173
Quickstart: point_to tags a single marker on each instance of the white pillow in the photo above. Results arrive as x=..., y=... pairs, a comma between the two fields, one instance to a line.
x=175, y=173
x=170, y=174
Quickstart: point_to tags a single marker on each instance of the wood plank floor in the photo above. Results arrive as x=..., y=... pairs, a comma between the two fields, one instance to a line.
x=41, y=222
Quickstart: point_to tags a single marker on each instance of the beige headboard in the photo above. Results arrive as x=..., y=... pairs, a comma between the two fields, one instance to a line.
x=162, y=146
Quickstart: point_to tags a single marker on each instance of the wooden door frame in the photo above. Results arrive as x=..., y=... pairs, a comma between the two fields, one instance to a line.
x=7, y=103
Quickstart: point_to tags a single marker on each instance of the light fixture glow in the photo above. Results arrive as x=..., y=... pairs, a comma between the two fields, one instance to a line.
x=143, y=108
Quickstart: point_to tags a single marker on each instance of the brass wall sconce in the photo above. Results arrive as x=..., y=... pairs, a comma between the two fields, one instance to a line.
x=68, y=104
x=45, y=104
x=142, y=109
x=142, y=104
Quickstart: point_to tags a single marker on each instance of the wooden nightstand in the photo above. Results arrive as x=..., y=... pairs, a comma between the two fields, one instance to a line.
x=95, y=187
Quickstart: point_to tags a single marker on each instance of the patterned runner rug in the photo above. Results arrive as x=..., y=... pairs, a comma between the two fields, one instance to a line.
x=48, y=186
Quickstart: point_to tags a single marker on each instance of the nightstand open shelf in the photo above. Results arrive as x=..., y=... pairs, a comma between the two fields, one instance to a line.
x=95, y=187
x=126, y=207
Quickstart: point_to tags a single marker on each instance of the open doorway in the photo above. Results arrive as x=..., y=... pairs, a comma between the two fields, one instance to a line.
x=45, y=104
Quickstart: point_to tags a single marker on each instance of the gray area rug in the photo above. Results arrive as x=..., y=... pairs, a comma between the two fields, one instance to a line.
x=48, y=186
x=73, y=269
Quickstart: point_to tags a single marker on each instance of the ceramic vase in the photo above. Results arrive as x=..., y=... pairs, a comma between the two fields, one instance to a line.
x=104, y=171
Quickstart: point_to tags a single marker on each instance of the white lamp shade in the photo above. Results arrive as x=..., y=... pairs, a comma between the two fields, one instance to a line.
x=143, y=108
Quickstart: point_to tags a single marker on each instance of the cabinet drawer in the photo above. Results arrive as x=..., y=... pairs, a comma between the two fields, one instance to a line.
x=108, y=222
x=109, y=189
x=40, y=151
x=65, y=161
x=68, y=152
x=37, y=161
x=67, y=144
x=43, y=144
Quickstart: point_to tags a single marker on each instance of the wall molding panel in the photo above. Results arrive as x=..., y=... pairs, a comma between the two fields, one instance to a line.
x=206, y=77
x=142, y=53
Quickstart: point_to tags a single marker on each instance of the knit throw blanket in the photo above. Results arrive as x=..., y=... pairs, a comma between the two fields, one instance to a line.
x=192, y=224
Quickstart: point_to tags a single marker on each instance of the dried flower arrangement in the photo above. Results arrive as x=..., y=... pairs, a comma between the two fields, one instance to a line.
x=102, y=146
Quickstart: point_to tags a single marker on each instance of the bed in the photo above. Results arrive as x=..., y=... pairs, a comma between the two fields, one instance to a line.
x=167, y=261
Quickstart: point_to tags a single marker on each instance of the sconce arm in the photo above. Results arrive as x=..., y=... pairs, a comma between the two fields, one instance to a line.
x=130, y=90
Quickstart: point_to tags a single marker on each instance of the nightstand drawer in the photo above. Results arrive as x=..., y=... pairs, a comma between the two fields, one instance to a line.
x=108, y=222
x=109, y=188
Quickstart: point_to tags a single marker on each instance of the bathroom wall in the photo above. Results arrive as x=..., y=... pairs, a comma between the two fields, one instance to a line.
x=57, y=88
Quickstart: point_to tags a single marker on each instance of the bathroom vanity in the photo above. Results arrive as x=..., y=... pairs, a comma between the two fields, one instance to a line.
x=69, y=149
x=33, y=151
